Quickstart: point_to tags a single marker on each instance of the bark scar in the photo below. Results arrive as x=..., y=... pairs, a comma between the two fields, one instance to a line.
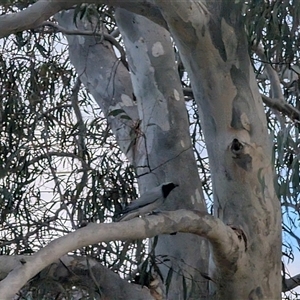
x=236, y=147
x=240, y=234
x=241, y=158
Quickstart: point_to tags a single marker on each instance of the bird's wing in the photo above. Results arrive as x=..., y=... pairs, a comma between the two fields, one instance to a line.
x=147, y=198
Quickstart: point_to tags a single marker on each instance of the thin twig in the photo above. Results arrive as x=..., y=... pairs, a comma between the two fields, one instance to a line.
x=103, y=35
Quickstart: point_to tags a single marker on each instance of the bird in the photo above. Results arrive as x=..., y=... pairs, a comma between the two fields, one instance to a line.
x=148, y=202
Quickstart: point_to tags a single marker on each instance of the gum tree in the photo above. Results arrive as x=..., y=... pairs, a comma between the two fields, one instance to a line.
x=171, y=51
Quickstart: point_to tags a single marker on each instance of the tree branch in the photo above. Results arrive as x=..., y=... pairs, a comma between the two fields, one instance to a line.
x=291, y=283
x=282, y=106
x=275, y=103
x=42, y=10
x=104, y=35
x=277, y=100
x=77, y=270
x=276, y=91
x=32, y=16
x=225, y=242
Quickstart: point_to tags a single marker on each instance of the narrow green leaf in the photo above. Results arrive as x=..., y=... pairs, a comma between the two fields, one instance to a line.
x=116, y=112
x=125, y=117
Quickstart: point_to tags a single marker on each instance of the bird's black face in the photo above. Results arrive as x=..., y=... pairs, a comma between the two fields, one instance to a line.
x=167, y=188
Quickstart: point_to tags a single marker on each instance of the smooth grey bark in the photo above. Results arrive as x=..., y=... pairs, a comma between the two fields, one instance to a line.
x=157, y=142
x=169, y=155
x=221, y=236
x=214, y=50
x=106, y=78
x=42, y=10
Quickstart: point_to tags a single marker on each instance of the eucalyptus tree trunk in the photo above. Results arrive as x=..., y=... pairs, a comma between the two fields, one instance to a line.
x=169, y=155
x=154, y=134
x=213, y=47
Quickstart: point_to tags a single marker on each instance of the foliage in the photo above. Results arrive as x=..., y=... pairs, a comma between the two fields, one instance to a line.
x=275, y=25
x=60, y=166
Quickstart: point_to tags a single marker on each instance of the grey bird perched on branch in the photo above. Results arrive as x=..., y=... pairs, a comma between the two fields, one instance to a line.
x=148, y=202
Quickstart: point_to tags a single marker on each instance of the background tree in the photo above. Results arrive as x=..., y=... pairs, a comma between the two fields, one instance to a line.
x=67, y=166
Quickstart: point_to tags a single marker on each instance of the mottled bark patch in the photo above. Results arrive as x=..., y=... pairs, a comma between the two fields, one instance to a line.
x=216, y=38
x=241, y=104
